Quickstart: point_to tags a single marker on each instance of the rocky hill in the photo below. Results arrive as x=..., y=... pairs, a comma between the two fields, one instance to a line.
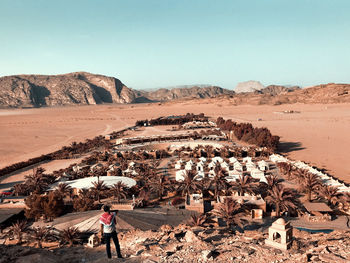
x=276, y=90
x=86, y=88
x=66, y=89
x=187, y=92
x=81, y=88
x=249, y=86
x=276, y=95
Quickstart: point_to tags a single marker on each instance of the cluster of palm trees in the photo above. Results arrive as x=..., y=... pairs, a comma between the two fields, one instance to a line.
x=313, y=188
x=36, y=183
x=42, y=234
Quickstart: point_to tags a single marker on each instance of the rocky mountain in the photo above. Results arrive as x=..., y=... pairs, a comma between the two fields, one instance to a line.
x=66, y=89
x=187, y=92
x=86, y=88
x=276, y=95
x=277, y=89
x=249, y=86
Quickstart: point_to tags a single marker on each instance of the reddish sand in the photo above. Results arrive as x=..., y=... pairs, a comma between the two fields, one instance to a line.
x=319, y=134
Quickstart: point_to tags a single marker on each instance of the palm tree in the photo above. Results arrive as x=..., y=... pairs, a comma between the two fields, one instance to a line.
x=35, y=181
x=189, y=184
x=70, y=235
x=282, y=198
x=197, y=220
x=64, y=189
x=310, y=183
x=161, y=184
x=84, y=202
x=331, y=194
x=272, y=180
x=21, y=189
x=40, y=234
x=18, y=229
x=243, y=185
x=218, y=183
x=98, y=189
x=345, y=200
x=209, y=150
x=299, y=174
x=286, y=169
x=232, y=212
x=118, y=191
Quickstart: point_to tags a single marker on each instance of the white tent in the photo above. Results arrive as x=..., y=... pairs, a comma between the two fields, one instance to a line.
x=199, y=166
x=238, y=166
x=188, y=166
x=86, y=183
x=217, y=159
x=247, y=159
x=256, y=173
x=263, y=166
x=202, y=159
x=250, y=166
x=276, y=158
x=180, y=175
x=177, y=166
x=232, y=160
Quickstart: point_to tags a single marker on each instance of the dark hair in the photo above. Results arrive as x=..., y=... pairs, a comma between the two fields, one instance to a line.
x=106, y=208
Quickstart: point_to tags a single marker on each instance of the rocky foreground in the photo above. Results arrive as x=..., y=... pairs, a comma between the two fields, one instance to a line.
x=184, y=244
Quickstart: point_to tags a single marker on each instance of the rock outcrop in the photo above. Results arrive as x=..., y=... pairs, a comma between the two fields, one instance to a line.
x=277, y=89
x=66, y=89
x=187, y=92
x=249, y=86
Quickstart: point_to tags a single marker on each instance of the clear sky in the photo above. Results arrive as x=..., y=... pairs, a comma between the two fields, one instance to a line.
x=157, y=43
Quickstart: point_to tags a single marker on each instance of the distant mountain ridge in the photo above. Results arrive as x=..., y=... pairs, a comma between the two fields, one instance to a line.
x=86, y=88
x=82, y=88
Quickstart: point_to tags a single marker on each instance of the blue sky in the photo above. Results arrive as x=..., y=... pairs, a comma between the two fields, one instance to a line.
x=150, y=44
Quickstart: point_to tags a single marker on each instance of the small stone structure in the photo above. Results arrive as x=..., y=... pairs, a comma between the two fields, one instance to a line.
x=195, y=203
x=280, y=235
x=93, y=241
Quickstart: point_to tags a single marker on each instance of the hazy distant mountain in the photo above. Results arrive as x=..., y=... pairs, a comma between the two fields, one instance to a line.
x=248, y=86
x=277, y=89
x=87, y=88
x=200, y=91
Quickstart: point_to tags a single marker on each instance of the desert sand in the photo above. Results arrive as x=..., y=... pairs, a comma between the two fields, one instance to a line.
x=318, y=134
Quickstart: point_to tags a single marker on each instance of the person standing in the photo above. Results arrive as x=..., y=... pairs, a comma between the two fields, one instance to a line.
x=108, y=230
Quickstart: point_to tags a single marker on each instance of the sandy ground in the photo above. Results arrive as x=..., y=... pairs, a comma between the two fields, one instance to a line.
x=319, y=134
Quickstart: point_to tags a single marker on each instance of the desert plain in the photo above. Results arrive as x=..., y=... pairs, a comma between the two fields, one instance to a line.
x=317, y=133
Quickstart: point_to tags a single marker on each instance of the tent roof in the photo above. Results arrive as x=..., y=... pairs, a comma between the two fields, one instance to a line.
x=317, y=207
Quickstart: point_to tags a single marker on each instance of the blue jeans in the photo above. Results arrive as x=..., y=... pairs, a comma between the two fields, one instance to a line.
x=107, y=237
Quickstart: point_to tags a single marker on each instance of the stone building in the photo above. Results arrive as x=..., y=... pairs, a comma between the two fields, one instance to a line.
x=280, y=235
